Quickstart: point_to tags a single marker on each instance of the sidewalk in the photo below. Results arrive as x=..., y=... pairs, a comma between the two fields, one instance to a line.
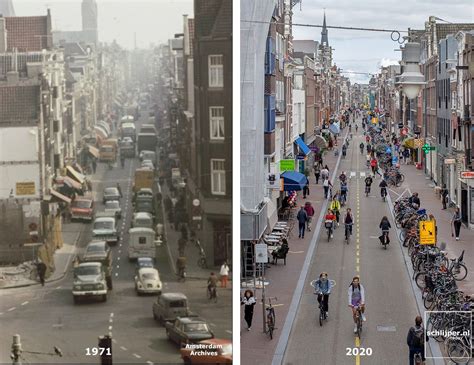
x=416, y=181
x=281, y=280
x=19, y=276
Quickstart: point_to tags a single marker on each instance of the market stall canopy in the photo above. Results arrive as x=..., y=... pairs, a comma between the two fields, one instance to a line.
x=100, y=132
x=76, y=175
x=293, y=180
x=334, y=128
x=93, y=151
x=320, y=142
x=409, y=142
x=302, y=146
x=69, y=182
x=60, y=196
x=104, y=125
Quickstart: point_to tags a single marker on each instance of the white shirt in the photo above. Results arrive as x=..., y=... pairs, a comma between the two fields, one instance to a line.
x=224, y=270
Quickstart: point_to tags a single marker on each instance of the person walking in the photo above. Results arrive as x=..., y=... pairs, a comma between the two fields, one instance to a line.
x=326, y=185
x=416, y=341
x=456, y=222
x=41, y=267
x=310, y=213
x=119, y=190
x=444, y=196
x=224, y=274
x=324, y=173
x=249, y=302
x=302, y=218
x=94, y=164
x=306, y=188
x=317, y=173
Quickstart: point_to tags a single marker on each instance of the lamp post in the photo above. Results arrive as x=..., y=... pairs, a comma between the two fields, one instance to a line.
x=411, y=80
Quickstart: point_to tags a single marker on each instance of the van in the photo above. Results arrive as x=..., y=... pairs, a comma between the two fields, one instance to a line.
x=108, y=150
x=141, y=243
x=169, y=306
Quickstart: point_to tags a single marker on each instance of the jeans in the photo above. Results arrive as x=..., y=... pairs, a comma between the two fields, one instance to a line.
x=326, y=190
x=413, y=351
x=301, y=226
x=457, y=228
x=308, y=223
x=325, y=299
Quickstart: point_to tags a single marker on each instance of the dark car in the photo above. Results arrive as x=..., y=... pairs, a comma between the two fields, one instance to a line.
x=144, y=262
x=186, y=330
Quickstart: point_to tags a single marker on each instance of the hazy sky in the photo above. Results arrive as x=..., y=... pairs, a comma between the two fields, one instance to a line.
x=154, y=21
x=365, y=51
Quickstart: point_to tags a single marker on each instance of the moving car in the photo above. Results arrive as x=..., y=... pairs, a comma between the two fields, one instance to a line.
x=148, y=155
x=89, y=281
x=218, y=351
x=148, y=281
x=145, y=262
x=110, y=193
x=186, y=330
x=113, y=206
x=99, y=251
x=141, y=243
x=169, y=306
x=142, y=219
x=105, y=229
x=148, y=164
x=83, y=208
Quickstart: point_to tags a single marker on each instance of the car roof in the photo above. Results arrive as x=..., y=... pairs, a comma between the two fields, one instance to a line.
x=191, y=320
x=105, y=219
x=97, y=243
x=90, y=264
x=174, y=296
x=145, y=190
x=141, y=229
x=143, y=215
x=112, y=201
x=109, y=188
x=144, y=259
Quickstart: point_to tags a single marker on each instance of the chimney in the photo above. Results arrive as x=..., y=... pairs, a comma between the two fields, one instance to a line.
x=3, y=35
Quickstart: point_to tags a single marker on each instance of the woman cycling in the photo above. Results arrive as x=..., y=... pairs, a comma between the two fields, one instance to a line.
x=323, y=287
x=356, y=298
x=349, y=219
x=385, y=227
x=330, y=218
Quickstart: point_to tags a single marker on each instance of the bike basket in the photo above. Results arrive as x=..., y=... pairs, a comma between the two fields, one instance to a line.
x=421, y=212
x=328, y=224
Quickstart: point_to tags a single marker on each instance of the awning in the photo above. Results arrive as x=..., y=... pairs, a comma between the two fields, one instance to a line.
x=69, y=182
x=293, y=181
x=76, y=175
x=104, y=125
x=334, y=128
x=60, y=196
x=409, y=142
x=93, y=151
x=99, y=131
x=305, y=149
x=320, y=142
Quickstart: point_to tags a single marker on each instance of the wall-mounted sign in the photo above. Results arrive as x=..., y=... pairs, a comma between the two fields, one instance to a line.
x=287, y=165
x=467, y=174
x=449, y=161
x=25, y=188
x=427, y=233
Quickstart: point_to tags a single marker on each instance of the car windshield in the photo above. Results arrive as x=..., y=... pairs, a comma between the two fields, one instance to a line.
x=178, y=304
x=145, y=263
x=95, y=248
x=104, y=225
x=149, y=276
x=195, y=327
x=112, y=205
x=87, y=270
x=111, y=191
x=143, y=222
x=82, y=204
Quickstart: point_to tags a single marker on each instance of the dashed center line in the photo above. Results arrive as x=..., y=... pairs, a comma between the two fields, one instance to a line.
x=25, y=303
x=149, y=362
x=137, y=356
x=11, y=309
x=1, y=313
x=228, y=331
x=58, y=287
x=123, y=348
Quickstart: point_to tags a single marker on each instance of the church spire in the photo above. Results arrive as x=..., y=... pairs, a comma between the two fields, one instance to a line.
x=324, y=33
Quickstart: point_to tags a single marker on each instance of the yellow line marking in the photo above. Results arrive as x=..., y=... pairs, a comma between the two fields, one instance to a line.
x=357, y=259
x=357, y=344
x=357, y=253
x=357, y=268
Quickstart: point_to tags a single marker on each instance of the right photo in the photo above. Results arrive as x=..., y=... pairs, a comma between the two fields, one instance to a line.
x=356, y=182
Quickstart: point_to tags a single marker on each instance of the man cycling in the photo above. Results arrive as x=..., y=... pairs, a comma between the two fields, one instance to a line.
x=356, y=298
x=361, y=146
x=322, y=287
x=335, y=207
x=344, y=190
x=368, y=183
x=383, y=188
x=212, y=283
x=330, y=217
x=349, y=220
x=357, y=127
x=342, y=177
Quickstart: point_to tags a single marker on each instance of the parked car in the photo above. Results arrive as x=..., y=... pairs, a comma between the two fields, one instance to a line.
x=110, y=193
x=186, y=330
x=83, y=208
x=169, y=306
x=148, y=164
x=219, y=351
x=147, y=281
x=105, y=228
x=142, y=219
x=113, y=206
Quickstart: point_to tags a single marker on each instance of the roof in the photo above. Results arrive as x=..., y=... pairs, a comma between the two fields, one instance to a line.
x=213, y=18
x=223, y=21
x=145, y=270
x=174, y=296
x=73, y=48
x=19, y=104
x=29, y=33
x=442, y=30
x=141, y=229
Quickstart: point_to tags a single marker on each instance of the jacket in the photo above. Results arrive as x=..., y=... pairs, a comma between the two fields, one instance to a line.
x=323, y=287
x=385, y=225
x=302, y=217
x=349, y=294
x=309, y=210
x=335, y=205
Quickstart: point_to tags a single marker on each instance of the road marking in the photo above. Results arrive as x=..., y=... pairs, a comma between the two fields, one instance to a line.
x=112, y=314
x=357, y=344
x=149, y=362
x=357, y=260
x=118, y=266
x=111, y=320
x=114, y=340
x=110, y=328
x=25, y=303
x=118, y=258
x=11, y=309
x=353, y=173
x=213, y=324
x=119, y=251
x=373, y=236
x=120, y=245
x=123, y=348
x=357, y=268
x=137, y=356
x=116, y=274
x=357, y=253
x=228, y=331
x=58, y=287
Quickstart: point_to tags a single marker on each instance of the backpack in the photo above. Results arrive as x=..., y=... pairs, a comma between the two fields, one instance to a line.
x=418, y=337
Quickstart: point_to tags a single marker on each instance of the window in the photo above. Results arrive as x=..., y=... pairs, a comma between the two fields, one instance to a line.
x=216, y=71
x=218, y=177
x=216, y=118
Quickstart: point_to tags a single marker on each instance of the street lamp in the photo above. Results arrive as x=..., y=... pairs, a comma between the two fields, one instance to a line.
x=411, y=80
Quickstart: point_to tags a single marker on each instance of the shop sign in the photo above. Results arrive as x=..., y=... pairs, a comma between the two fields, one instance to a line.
x=427, y=232
x=467, y=174
x=287, y=165
x=449, y=161
x=261, y=253
x=25, y=188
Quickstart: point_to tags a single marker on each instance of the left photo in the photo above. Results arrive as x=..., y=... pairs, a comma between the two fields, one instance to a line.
x=116, y=182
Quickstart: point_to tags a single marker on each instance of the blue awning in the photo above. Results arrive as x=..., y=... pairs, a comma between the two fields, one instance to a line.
x=305, y=149
x=293, y=181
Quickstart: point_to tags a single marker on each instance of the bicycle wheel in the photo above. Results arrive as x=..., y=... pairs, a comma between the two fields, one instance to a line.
x=428, y=301
x=321, y=317
x=402, y=235
x=459, y=271
x=457, y=350
x=271, y=325
x=420, y=280
x=359, y=325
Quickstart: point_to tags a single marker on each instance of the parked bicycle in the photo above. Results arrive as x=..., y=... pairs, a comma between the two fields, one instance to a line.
x=270, y=317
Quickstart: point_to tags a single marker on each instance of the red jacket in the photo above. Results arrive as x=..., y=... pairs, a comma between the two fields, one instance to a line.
x=373, y=163
x=309, y=210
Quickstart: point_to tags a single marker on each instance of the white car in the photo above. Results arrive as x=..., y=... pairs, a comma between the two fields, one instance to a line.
x=148, y=281
x=113, y=206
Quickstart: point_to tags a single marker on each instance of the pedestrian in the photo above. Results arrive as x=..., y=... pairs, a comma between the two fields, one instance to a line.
x=302, y=218
x=41, y=267
x=309, y=212
x=306, y=188
x=317, y=173
x=224, y=274
x=444, y=196
x=415, y=200
x=119, y=189
x=326, y=185
x=94, y=164
x=406, y=155
x=456, y=222
x=249, y=302
x=416, y=340
x=324, y=173
x=122, y=161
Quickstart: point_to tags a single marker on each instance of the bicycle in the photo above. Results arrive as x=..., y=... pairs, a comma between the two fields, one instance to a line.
x=212, y=293
x=384, y=240
x=348, y=233
x=322, y=312
x=417, y=359
x=358, y=320
x=383, y=192
x=329, y=224
x=270, y=317
x=367, y=190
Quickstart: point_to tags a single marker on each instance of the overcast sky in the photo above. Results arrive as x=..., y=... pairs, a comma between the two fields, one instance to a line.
x=365, y=51
x=154, y=21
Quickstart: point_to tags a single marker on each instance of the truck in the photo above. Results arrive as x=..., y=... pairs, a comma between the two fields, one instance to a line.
x=147, y=141
x=128, y=130
x=108, y=150
x=144, y=178
x=89, y=281
x=127, y=148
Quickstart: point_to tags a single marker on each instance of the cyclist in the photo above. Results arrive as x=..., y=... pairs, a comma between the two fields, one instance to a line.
x=361, y=146
x=335, y=207
x=383, y=188
x=369, y=148
x=356, y=298
x=344, y=190
x=368, y=183
x=322, y=287
x=344, y=150
x=122, y=161
x=385, y=227
x=342, y=177
x=349, y=219
x=212, y=283
x=368, y=158
x=330, y=217
x=357, y=127
x=416, y=340
x=350, y=128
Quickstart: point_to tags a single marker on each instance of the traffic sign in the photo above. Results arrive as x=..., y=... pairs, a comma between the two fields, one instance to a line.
x=449, y=161
x=427, y=232
x=467, y=174
x=427, y=148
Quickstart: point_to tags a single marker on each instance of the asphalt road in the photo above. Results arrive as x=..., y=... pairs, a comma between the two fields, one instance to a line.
x=390, y=304
x=47, y=317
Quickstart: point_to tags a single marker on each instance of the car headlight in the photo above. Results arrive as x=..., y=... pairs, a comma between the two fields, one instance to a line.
x=99, y=286
x=77, y=287
x=140, y=285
